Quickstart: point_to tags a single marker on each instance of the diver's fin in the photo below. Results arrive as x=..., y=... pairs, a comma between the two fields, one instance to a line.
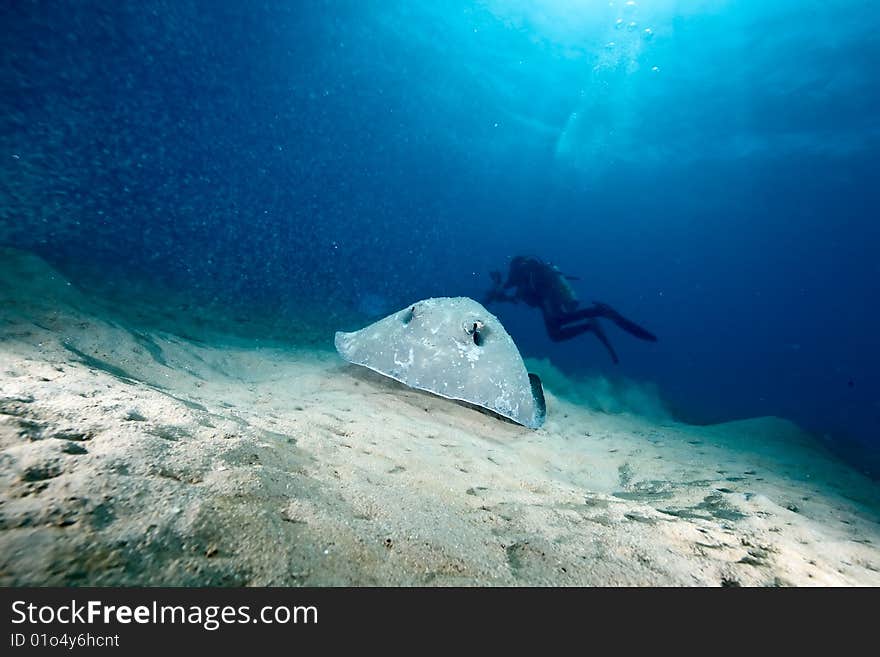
x=630, y=327
x=600, y=333
x=634, y=329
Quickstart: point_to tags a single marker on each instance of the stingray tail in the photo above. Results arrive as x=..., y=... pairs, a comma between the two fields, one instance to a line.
x=540, y=403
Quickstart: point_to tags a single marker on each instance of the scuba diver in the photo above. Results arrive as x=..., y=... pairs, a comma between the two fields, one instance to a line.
x=542, y=285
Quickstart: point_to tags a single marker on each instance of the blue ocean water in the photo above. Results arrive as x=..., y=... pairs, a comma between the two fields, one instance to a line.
x=709, y=168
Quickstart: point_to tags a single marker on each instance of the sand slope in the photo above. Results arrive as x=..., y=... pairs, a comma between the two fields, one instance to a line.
x=131, y=455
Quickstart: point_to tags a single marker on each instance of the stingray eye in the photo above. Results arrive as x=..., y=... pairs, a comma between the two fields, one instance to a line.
x=477, y=332
x=407, y=315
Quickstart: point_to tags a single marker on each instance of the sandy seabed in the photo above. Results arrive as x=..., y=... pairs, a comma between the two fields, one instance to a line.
x=134, y=456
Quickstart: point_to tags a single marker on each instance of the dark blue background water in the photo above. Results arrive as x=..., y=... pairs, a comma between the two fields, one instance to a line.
x=715, y=179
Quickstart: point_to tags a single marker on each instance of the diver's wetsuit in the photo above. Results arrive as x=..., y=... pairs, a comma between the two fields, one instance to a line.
x=541, y=285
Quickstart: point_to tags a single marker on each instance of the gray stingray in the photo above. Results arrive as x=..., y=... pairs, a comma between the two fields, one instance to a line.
x=454, y=348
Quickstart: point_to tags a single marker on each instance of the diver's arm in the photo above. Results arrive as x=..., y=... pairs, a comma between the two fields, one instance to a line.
x=500, y=295
x=497, y=292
